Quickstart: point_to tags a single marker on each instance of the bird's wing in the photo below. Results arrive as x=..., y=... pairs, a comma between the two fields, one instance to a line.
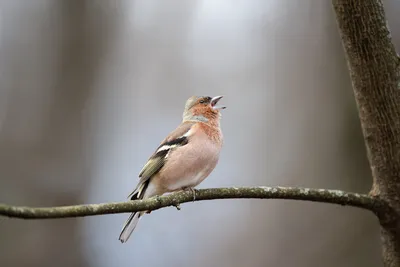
x=177, y=138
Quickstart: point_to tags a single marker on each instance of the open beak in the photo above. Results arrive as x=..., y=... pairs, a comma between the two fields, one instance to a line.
x=214, y=102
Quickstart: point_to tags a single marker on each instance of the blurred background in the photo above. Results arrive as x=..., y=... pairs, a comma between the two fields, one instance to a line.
x=88, y=89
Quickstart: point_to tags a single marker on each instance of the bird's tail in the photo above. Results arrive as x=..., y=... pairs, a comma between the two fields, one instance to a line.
x=129, y=226
x=133, y=219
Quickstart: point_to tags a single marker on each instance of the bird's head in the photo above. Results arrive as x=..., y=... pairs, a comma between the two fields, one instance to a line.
x=202, y=108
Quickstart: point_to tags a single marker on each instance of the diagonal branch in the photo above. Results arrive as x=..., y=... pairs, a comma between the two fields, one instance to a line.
x=371, y=203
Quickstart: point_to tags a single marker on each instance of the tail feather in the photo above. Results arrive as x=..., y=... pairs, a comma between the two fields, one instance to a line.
x=133, y=219
x=129, y=226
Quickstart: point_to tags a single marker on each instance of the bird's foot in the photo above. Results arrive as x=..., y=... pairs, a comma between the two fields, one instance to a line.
x=158, y=200
x=192, y=190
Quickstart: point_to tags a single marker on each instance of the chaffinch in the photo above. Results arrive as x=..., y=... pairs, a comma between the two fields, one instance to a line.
x=184, y=158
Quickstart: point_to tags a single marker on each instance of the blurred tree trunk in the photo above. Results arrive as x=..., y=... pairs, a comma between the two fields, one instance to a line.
x=162, y=54
x=374, y=69
x=50, y=52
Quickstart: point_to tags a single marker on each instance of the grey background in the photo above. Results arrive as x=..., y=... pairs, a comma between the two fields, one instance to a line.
x=88, y=88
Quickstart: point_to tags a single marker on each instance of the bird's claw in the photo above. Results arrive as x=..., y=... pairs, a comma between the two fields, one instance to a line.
x=158, y=198
x=191, y=190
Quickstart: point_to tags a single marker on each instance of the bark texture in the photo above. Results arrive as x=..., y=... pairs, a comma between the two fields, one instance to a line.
x=175, y=199
x=374, y=70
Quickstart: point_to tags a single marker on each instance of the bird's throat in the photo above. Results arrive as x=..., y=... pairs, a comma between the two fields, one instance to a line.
x=195, y=118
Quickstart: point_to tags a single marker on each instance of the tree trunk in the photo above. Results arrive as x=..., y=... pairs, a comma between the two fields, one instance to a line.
x=374, y=70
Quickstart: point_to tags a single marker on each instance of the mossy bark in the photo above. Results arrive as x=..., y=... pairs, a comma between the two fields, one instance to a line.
x=294, y=193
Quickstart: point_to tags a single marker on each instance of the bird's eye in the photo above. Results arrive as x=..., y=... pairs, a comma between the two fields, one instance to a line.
x=202, y=101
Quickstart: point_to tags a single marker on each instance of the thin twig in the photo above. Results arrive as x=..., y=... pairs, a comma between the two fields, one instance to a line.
x=294, y=193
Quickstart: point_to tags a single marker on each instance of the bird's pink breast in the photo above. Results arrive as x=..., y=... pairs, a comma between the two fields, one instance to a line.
x=189, y=165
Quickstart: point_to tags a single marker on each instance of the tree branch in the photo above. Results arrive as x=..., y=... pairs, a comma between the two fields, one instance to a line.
x=371, y=203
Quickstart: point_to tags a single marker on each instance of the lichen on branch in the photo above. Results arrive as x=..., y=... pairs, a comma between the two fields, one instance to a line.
x=175, y=199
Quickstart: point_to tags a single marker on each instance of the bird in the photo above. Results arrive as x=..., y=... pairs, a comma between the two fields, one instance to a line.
x=183, y=159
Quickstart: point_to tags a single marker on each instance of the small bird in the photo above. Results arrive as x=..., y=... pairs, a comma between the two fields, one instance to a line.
x=184, y=158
